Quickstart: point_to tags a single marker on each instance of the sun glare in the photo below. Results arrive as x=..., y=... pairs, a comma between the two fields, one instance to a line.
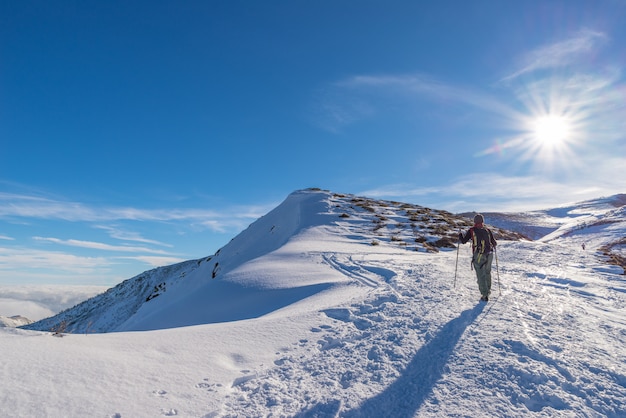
x=553, y=124
x=551, y=130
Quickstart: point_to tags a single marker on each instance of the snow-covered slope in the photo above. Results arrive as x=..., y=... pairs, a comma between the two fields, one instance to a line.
x=331, y=311
x=539, y=224
x=596, y=225
x=285, y=256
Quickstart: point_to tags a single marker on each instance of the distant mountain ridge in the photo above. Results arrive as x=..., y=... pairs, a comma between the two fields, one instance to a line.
x=593, y=223
x=538, y=224
x=242, y=272
x=14, y=321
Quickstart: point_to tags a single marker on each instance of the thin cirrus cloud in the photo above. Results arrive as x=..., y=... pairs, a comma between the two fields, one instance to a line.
x=361, y=97
x=66, y=259
x=155, y=261
x=26, y=265
x=32, y=259
x=123, y=235
x=497, y=193
x=559, y=54
x=99, y=245
x=26, y=206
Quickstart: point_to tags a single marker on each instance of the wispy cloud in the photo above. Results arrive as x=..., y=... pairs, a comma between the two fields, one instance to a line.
x=29, y=206
x=559, y=54
x=60, y=224
x=155, y=261
x=421, y=85
x=28, y=265
x=123, y=235
x=34, y=207
x=99, y=245
x=26, y=260
x=497, y=192
x=365, y=96
x=401, y=191
x=361, y=97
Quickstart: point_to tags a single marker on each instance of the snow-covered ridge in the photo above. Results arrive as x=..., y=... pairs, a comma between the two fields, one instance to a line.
x=597, y=224
x=162, y=297
x=540, y=224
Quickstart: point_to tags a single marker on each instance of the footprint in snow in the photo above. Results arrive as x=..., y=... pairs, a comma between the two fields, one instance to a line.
x=345, y=315
x=329, y=342
x=243, y=379
x=280, y=361
x=159, y=393
x=210, y=387
x=169, y=412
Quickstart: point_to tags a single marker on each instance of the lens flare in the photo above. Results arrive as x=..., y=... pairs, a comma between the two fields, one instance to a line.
x=551, y=131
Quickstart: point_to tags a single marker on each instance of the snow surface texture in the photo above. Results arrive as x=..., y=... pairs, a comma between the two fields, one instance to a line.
x=332, y=305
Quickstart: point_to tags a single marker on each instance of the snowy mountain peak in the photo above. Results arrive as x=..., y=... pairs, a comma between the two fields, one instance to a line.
x=246, y=277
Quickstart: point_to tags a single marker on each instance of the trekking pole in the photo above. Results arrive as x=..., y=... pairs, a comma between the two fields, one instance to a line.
x=456, y=266
x=495, y=250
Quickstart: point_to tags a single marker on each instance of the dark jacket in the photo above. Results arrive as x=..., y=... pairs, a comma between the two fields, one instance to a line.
x=482, y=238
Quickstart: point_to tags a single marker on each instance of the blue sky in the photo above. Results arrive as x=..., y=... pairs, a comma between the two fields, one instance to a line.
x=135, y=134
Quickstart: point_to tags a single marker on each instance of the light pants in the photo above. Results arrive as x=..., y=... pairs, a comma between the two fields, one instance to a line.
x=483, y=273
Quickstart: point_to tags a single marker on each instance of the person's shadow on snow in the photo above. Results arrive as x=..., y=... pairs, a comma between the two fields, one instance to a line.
x=405, y=396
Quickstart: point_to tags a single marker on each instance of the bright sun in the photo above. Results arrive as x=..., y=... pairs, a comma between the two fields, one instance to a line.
x=551, y=130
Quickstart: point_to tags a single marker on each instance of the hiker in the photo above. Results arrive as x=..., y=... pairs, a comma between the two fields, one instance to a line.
x=483, y=245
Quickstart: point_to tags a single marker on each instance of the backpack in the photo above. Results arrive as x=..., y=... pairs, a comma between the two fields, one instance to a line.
x=481, y=243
